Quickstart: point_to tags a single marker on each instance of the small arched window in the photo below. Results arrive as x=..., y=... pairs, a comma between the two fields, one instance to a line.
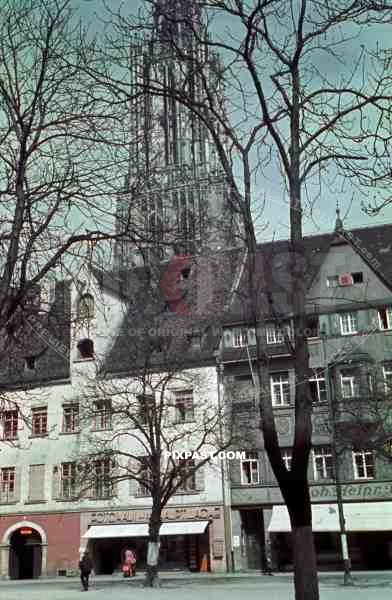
x=86, y=348
x=86, y=307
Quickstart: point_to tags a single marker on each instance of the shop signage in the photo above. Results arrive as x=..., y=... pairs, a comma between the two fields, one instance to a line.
x=142, y=516
x=361, y=491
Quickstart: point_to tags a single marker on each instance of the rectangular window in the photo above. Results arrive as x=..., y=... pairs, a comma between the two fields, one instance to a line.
x=146, y=405
x=10, y=424
x=144, y=473
x=250, y=469
x=287, y=456
x=385, y=317
x=348, y=323
x=188, y=475
x=349, y=382
x=37, y=483
x=102, y=481
x=332, y=281
x=70, y=418
x=387, y=373
x=363, y=462
x=39, y=423
x=7, y=484
x=318, y=388
x=277, y=334
x=68, y=480
x=280, y=389
x=240, y=337
x=357, y=277
x=102, y=415
x=323, y=463
x=312, y=327
x=184, y=406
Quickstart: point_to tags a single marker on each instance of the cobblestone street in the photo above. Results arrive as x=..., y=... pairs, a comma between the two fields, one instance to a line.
x=250, y=587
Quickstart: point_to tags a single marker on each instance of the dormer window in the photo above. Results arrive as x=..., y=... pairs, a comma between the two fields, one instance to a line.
x=30, y=363
x=86, y=348
x=86, y=307
x=357, y=277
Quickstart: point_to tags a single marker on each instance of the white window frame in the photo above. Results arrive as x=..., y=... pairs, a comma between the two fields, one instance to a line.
x=362, y=455
x=251, y=461
x=184, y=398
x=278, y=398
x=39, y=416
x=287, y=457
x=348, y=323
x=102, y=478
x=188, y=483
x=317, y=378
x=351, y=380
x=276, y=334
x=144, y=472
x=333, y=281
x=387, y=372
x=73, y=410
x=68, y=479
x=102, y=419
x=10, y=416
x=240, y=337
x=388, y=314
x=8, y=484
x=321, y=456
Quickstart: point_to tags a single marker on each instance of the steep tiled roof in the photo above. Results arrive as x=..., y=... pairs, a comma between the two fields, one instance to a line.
x=274, y=268
x=171, y=320
x=44, y=336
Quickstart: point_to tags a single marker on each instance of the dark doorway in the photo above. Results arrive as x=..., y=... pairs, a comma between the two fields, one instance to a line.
x=25, y=554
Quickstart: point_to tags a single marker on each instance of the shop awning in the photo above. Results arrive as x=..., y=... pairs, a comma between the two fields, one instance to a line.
x=359, y=516
x=132, y=530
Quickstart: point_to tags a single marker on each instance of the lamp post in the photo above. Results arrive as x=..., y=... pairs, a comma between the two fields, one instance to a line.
x=348, y=579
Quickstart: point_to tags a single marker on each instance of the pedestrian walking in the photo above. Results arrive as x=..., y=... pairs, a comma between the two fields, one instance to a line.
x=85, y=566
x=130, y=561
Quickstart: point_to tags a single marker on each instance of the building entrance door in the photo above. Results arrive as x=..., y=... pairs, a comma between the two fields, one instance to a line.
x=25, y=560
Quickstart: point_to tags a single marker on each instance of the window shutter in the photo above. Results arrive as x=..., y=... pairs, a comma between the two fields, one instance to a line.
x=36, y=483
x=200, y=478
x=56, y=482
x=18, y=481
x=114, y=474
x=235, y=471
x=133, y=484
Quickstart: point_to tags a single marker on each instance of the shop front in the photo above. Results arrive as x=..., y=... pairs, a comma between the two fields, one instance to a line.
x=190, y=538
x=368, y=526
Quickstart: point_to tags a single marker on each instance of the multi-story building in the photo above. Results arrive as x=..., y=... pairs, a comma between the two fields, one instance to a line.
x=89, y=333
x=349, y=306
x=180, y=201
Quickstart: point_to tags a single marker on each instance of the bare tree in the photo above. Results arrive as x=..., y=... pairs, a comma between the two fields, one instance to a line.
x=166, y=425
x=278, y=107
x=59, y=149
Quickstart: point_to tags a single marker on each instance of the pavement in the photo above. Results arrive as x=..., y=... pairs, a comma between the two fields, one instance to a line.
x=247, y=586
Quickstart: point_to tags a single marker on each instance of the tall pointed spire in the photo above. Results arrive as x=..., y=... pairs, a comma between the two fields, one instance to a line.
x=338, y=223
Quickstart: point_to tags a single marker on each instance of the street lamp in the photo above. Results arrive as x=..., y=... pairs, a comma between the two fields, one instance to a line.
x=348, y=579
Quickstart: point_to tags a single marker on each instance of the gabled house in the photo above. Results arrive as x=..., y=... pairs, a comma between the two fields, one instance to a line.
x=349, y=305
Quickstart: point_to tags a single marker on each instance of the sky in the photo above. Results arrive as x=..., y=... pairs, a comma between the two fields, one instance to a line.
x=273, y=221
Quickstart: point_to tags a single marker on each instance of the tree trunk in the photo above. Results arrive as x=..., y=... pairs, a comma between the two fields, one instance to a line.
x=304, y=554
x=152, y=573
x=305, y=566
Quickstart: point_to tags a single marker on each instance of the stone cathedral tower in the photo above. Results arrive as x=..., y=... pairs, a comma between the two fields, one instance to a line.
x=176, y=189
